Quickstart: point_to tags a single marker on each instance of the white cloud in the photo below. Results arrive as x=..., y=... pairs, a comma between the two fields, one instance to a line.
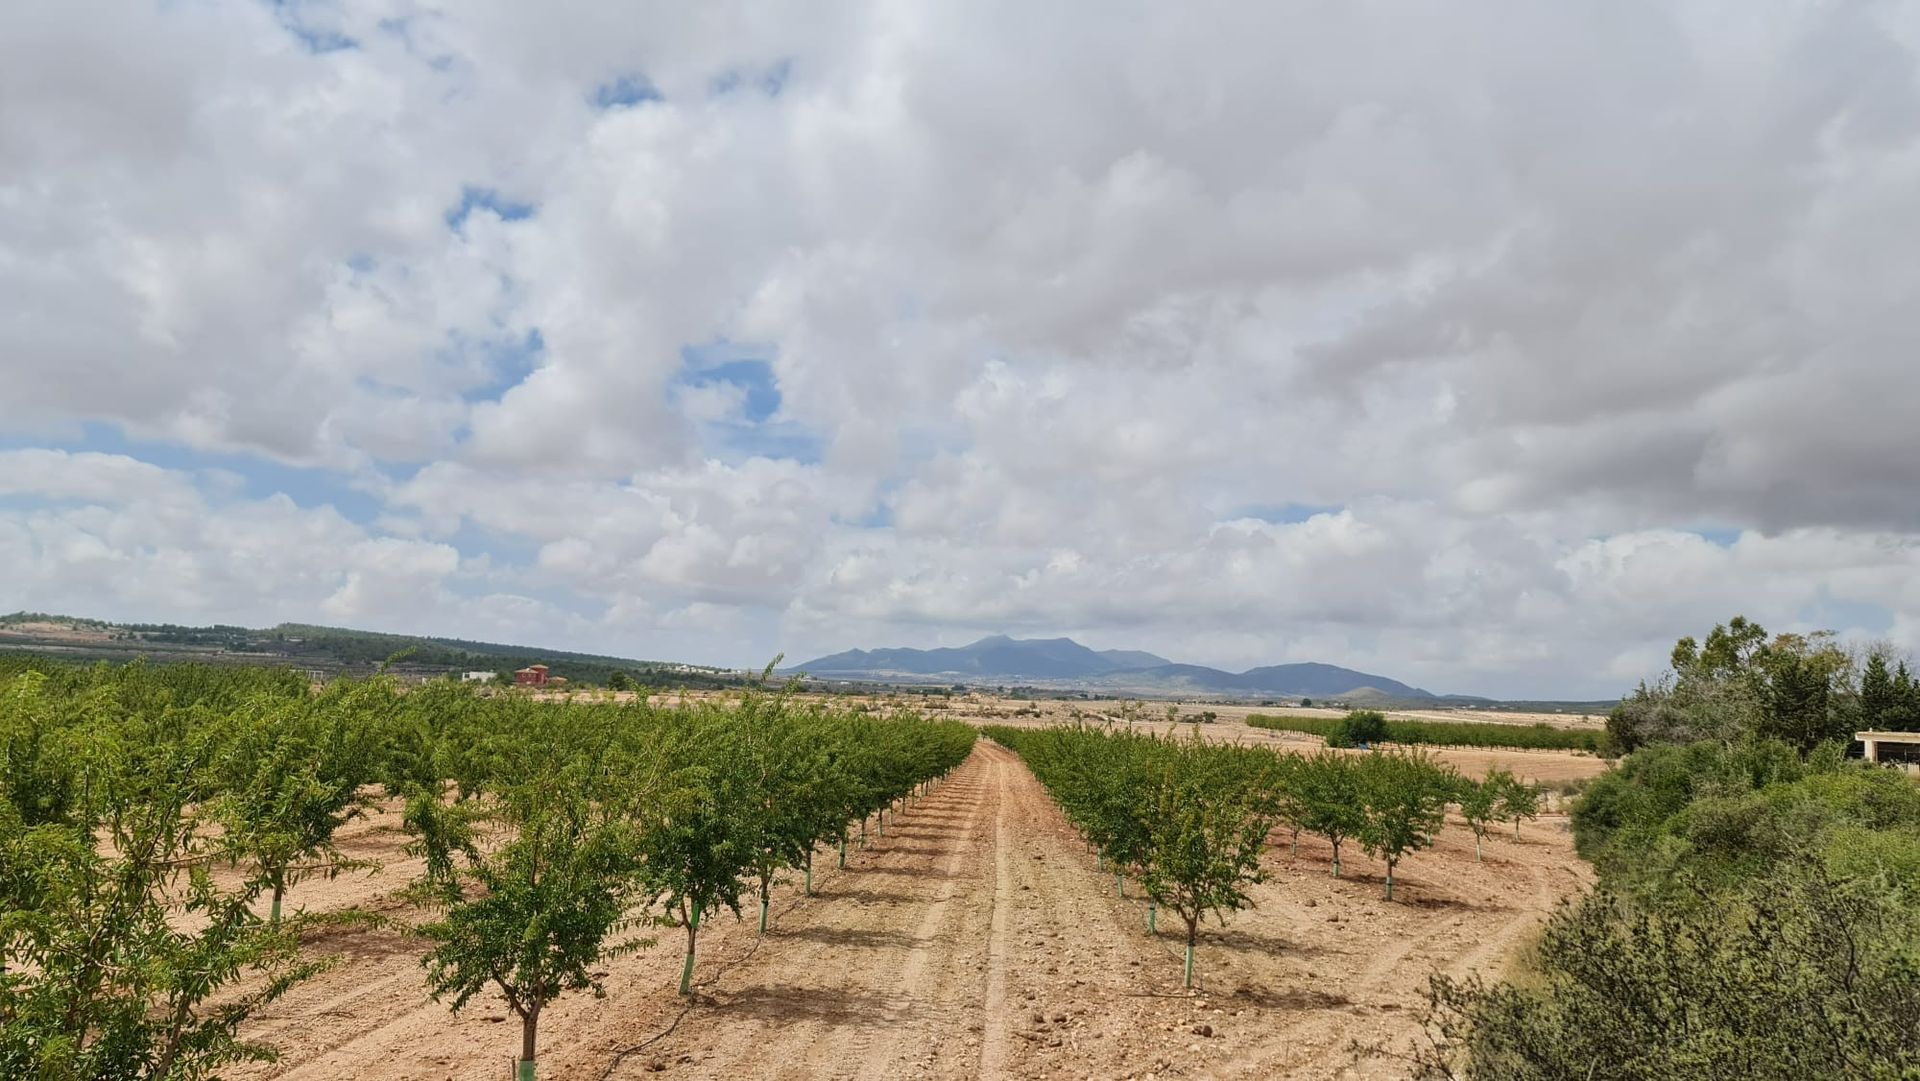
x=1072, y=299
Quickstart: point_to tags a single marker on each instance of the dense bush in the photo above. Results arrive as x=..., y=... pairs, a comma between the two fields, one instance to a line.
x=1798, y=974
x=1758, y=916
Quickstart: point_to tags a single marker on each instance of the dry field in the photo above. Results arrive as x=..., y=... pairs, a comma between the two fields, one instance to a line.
x=977, y=939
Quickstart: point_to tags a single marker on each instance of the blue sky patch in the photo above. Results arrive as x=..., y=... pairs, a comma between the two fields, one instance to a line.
x=624, y=92
x=508, y=363
x=1285, y=513
x=1720, y=536
x=756, y=431
x=474, y=198
x=1838, y=614
x=755, y=377
x=259, y=477
x=317, y=40
x=770, y=80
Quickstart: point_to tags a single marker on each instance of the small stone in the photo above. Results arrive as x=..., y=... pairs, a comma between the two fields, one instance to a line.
x=1059, y=1017
x=1203, y=1030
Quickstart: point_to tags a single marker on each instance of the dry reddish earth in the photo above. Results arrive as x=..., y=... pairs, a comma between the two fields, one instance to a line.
x=977, y=939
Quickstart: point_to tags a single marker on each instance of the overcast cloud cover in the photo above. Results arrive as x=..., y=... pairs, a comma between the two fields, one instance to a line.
x=1489, y=346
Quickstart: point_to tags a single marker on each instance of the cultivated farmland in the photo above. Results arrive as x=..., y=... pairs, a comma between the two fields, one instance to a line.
x=971, y=934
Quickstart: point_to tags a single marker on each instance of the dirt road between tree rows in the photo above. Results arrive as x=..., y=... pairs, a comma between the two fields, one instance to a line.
x=975, y=939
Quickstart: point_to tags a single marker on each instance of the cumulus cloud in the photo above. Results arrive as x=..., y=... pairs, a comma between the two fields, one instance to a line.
x=1490, y=348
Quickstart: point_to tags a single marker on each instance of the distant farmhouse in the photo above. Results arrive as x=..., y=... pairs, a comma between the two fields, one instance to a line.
x=478, y=677
x=1893, y=748
x=533, y=675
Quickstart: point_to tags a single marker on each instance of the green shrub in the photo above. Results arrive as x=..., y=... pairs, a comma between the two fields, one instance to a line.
x=1339, y=732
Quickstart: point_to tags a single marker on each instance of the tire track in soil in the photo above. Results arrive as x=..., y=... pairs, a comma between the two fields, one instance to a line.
x=993, y=1043
x=840, y=989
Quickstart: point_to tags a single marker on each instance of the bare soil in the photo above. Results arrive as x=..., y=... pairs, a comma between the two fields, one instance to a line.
x=975, y=939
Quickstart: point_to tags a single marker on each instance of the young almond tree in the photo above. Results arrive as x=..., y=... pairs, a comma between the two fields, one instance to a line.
x=1206, y=830
x=1330, y=792
x=291, y=773
x=1285, y=794
x=1516, y=800
x=1405, y=797
x=1477, y=806
x=695, y=858
x=532, y=917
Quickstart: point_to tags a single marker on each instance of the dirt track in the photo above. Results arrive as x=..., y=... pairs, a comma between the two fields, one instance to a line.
x=975, y=939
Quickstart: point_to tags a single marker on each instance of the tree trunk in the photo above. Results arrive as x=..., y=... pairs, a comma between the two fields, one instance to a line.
x=693, y=935
x=1336, y=859
x=1390, y=864
x=279, y=892
x=1193, y=931
x=809, y=869
x=1150, y=912
x=1476, y=848
x=843, y=848
x=529, y=1027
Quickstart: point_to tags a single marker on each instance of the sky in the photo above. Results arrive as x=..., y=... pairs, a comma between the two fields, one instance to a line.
x=1490, y=346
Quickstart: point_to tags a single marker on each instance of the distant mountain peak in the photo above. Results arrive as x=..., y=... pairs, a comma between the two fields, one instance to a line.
x=999, y=658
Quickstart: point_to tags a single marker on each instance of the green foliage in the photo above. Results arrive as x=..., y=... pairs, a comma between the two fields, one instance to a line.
x=1515, y=800
x=1739, y=684
x=553, y=834
x=531, y=917
x=1798, y=975
x=290, y=772
x=1188, y=818
x=121, y=952
x=1359, y=728
x=1479, y=801
x=1758, y=916
x=1328, y=786
x=1404, y=801
x=1339, y=733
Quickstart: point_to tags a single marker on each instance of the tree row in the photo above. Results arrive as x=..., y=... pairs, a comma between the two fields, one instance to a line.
x=1189, y=819
x=152, y=821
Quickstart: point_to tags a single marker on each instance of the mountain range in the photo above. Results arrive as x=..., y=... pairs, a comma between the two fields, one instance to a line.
x=1059, y=662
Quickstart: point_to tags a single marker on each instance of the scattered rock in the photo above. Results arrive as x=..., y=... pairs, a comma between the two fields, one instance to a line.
x=1203, y=1030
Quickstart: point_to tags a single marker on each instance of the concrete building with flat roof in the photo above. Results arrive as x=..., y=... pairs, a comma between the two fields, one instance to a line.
x=1893, y=748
